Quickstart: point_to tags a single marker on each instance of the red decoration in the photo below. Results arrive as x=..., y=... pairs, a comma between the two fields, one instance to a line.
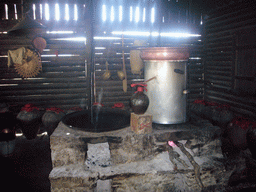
x=118, y=105
x=225, y=106
x=200, y=101
x=29, y=107
x=243, y=122
x=206, y=103
x=145, y=125
x=98, y=104
x=76, y=108
x=57, y=53
x=55, y=109
x=212, y=104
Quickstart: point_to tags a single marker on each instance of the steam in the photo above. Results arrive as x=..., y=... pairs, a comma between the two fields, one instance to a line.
x=98, y=107
x=83, y=103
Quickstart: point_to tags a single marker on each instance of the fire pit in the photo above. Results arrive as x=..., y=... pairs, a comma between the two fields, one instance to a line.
x=103, y=120
x=120, y=159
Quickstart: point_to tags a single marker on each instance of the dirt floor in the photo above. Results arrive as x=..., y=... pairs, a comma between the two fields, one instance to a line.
x=28, y=167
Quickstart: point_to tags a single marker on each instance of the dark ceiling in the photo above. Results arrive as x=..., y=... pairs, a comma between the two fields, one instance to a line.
x=208, y=5
x=200, y=6
x=203, y=6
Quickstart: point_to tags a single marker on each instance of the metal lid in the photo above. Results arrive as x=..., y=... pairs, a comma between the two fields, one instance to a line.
x=165, y=53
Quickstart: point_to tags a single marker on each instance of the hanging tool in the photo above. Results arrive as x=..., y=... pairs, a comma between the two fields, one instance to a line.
x=107, y=73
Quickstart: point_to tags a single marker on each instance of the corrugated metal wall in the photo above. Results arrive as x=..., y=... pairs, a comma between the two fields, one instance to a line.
x=63, y=81
x=223, y=29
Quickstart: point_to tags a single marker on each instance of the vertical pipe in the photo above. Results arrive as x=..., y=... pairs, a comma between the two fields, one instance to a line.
x=190, y=12
x=21, y=8
x=159, y=19
x=89, y=22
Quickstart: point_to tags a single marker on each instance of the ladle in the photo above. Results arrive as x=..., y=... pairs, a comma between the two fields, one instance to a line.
x=121, y=74
x=150, y=79
x=107, y=73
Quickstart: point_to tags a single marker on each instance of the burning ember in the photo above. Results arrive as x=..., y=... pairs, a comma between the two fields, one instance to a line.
x=172, y=144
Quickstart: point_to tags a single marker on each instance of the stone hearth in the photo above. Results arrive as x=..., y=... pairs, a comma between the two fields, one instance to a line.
x=182, y=157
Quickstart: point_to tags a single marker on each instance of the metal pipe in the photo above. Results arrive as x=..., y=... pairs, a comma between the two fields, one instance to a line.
x=89, y=21
x=22, y=8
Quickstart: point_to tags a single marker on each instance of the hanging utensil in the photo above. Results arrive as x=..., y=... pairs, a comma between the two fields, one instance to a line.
x=120, y=74
x=150, y=79
x=107, y=73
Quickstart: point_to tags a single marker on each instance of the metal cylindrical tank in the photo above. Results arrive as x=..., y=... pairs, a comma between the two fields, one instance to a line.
x=167, y=92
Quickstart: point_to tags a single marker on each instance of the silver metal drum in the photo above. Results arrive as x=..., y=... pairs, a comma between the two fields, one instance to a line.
x=167, y=92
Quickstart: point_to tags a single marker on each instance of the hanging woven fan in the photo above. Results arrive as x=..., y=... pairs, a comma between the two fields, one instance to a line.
x=31, y=64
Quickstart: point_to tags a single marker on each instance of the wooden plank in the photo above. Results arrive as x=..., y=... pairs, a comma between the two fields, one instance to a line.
x=45, y=75
x=65, y=63
x=218, y=65
x=64, y=69
x=229, y=20
x=237, y=25
x=49, y=97
x=56, y=103
x=218, y=77
x=233, y=102
x=43, y=86
x=38, y=80
x=24, y=92
x=219, y=73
